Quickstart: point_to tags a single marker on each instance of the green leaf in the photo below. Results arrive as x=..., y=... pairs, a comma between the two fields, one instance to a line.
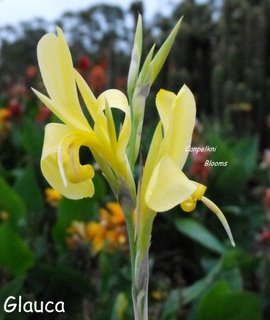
x=61, y=276
x=195, y=290
x=13, y=204
x=28, y=188
x=143, y=83
x=15, y=254
x=172, y=305
x=223, y=304
x=247, y=150
x=199, y=233
x=32, y=138
x=135, y=59
x=162, y=54
x=12, y=288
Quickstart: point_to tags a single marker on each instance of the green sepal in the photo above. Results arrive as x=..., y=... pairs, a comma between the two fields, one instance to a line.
x=163, y=52
x=135, y=59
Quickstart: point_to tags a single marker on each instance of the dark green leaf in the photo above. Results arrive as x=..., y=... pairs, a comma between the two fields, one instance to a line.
x=13, y=288
x=12, y=203
x=172, y=305
x=199, y=233
x=32, y=138
x=29, y=190
x=223, y=304
x=15, y=254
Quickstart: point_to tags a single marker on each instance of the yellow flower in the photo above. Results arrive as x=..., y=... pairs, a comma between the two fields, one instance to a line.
x=60, y=161
x=108, y=233
x=157, y=295
x=4, y=216
x=96, y=233
x=52, y=196
x=164, y=185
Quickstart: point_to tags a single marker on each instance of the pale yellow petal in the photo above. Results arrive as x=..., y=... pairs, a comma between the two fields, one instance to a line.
x=152, y=157
x=168, y=186
x=87, y=95
x=60, y=174
x=111, y=127
x=124, y=134
x=116, y=99
x=56, y=68
x=164, y=103
x=180, y=127
x=215, y=209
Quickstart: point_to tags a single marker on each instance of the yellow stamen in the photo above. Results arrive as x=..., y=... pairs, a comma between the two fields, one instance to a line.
x=190, y=203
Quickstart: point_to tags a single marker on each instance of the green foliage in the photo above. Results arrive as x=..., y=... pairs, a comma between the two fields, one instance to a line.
x=199, y=233
x=222, y=303
x=13, y=204
x=15, y=254
x=171, y=306
x=12, y=288
x=31, y=195
x=32, y=138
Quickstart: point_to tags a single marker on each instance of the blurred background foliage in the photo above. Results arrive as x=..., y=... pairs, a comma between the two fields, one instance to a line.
x=53, y=248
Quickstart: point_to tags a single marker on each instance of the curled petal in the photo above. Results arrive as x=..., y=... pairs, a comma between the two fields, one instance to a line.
x=116, y=99
x=168, y=186
x=57, y=72
x=215, y=209
x=60, y=162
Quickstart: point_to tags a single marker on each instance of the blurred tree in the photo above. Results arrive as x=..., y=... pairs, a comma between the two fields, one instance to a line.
x=190, y=61
x=18, y=50
x=239, y=63
x=101, y=32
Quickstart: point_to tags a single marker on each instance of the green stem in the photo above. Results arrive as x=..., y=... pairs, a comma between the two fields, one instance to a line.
x=140, y=278
x=139, y=244
x=140, y=287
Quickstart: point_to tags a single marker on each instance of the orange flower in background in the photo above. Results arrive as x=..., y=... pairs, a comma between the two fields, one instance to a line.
x=5, y=114
x=109, y=233
x=97, y=79
x=5, y=126
x=52, y=196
